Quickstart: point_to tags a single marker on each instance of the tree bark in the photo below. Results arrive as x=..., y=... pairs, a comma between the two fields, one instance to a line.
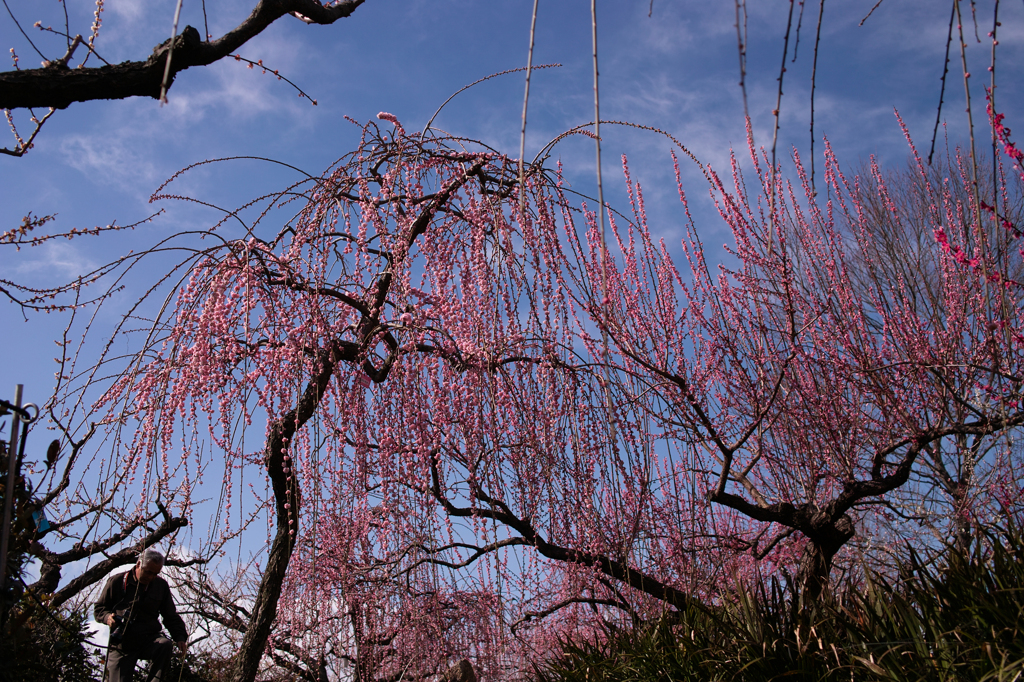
x=285, y=484
x=812, y=578
x=56, y=85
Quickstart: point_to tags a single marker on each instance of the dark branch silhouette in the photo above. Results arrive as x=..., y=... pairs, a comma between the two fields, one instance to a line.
x=57, y=85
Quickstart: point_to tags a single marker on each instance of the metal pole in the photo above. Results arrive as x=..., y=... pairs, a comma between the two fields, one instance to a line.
x=12, y=456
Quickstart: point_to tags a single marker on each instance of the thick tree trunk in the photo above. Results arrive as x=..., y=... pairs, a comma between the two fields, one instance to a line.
x=265, y=610
x=812, y=578
x=285, y=483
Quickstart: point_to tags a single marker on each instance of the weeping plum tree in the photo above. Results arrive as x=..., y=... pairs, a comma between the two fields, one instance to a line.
x=760, y=417
x=402, y=270
x=470, y=419
x=482, y=422
x=292, y=328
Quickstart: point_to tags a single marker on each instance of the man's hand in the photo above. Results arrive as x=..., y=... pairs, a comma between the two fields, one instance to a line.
x=110, y=619
x=182, y=647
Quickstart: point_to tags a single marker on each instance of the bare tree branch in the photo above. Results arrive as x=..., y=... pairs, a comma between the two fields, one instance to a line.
x=56, y=85
x=53, y=561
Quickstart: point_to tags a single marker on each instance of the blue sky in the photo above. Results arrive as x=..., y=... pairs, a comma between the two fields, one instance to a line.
x=98, y=162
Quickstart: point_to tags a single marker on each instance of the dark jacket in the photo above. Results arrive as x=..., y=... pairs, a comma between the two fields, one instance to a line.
x=141, y=606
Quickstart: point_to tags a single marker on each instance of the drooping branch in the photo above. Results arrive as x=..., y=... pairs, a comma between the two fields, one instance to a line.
x=808, y=517
x=593, y=601
x=58, y=86
x=613, y=568
x=284, y=478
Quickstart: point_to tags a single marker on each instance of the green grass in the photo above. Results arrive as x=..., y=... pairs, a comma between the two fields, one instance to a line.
x=961, y=618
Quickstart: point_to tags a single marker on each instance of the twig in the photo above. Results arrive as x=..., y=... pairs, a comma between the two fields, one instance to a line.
x=870, y=13
x=476, y=82
x=814, y=75
x=24, y=146
x=1001, y=235
x=67, y=57
x=942, y=91
x=992, y=101
x=259, y=63
x=741, y=41
x=799, y=23
x=170, y=51
x=526, y=101
x=15, y=20
x=69, y=54
x=605, y=301
x=775, y=133
x=970, y=129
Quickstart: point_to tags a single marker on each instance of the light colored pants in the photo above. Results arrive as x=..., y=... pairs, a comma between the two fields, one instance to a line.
x=121, y=663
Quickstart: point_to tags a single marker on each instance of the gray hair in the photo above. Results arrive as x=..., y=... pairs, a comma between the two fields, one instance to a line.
x=151, y=555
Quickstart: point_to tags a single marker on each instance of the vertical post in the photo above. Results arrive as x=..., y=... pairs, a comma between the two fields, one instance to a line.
x=12, y=458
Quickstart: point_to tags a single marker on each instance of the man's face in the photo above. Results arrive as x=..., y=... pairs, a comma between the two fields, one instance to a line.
x=145, y=573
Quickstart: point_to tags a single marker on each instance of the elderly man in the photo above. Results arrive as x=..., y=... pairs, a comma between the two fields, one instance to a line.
x=131, y=604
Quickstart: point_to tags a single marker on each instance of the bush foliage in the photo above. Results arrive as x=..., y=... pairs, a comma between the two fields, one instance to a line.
x=956, y=617
x=41, y=646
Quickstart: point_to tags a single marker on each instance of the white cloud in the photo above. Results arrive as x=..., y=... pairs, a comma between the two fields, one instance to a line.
x=238, y=92
x=109, y=160
x=129, y=10
x=62, y=261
